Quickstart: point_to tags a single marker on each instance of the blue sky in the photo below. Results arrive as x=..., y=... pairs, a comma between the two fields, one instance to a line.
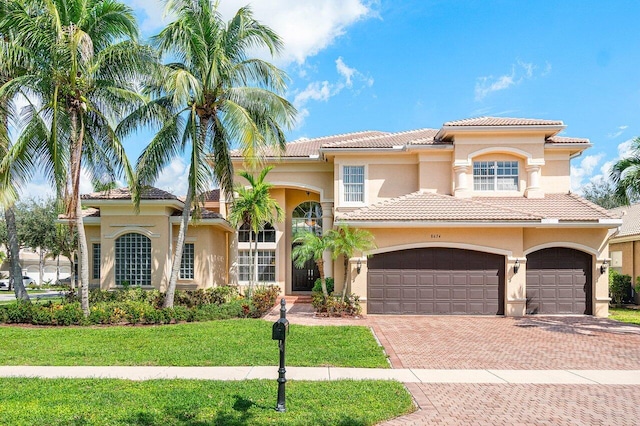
x=400, y=65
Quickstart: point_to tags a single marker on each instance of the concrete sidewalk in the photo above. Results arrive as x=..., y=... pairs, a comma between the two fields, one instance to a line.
x=404, y=375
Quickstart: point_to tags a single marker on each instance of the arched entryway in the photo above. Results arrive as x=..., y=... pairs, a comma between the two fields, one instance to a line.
x=559, y=281
x=307, y=216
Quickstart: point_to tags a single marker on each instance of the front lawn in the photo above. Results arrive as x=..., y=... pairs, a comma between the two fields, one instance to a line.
x=196, y=402
x=632, y=316
x=234, y=342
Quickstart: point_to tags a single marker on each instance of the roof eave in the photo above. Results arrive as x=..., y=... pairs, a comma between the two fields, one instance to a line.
x=476, y=224
x=547, y=129
x=206, y=221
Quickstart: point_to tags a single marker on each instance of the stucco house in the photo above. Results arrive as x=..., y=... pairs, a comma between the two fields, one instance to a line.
x=475, y=217
x=624, y=245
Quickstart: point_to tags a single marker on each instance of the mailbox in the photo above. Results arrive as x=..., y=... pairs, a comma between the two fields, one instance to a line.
x=280, y=329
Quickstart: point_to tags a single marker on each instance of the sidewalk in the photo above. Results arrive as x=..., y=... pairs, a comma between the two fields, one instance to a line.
x=404, y=375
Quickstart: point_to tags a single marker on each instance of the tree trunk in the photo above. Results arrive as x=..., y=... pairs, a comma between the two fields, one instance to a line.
x=15, y=272
x=346, y=281
x=177, y=256
x=323, y=283
x=40, y=266
x=58, y=269
x=83, y=260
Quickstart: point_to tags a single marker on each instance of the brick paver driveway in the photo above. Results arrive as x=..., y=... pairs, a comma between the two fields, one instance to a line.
x=468, y=342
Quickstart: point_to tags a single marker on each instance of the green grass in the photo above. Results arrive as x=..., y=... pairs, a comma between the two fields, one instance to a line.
x=631, y=316
x=215, y=343
x=35, y=299
x=195, y=402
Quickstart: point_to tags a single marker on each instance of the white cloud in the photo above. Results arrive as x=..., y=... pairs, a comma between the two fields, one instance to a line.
x=584, y=170
x=520, y=71
x=175, y=177
x=306, y=27
x=322, y=91
x=620, y=130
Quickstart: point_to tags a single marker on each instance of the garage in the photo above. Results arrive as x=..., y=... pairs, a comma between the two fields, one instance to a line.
x=436, y=281
x=559, y=282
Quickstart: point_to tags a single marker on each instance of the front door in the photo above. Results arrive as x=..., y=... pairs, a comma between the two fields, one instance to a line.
x=303, y=278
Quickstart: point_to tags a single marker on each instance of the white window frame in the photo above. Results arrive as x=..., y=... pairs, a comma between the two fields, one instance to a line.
x=343, y=185
x=494, y=180
x=244, y=254
x=187, y=264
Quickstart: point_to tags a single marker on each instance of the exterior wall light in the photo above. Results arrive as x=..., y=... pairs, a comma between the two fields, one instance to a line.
x=603, y=268
x=358, y=266
x=516, y=266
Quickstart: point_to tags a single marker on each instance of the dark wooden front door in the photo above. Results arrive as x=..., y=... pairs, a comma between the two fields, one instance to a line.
x=302, y=279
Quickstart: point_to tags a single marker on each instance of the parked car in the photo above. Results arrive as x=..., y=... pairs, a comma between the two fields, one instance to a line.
x=26, y=280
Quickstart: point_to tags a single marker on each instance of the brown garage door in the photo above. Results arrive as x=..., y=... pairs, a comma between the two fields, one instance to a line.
x=435, y=281
x=558, y=281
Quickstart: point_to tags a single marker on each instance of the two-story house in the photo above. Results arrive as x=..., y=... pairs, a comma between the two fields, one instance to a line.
x=476, y=217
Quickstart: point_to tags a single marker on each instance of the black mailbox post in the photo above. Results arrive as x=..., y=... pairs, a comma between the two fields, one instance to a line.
x=279, y=332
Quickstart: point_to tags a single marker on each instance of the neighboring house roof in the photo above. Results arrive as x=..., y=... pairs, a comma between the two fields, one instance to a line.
x=630, y=220
x=149, y=193
x=503, y=121
x=371, y=139
x=213, y=195
x=427, y=206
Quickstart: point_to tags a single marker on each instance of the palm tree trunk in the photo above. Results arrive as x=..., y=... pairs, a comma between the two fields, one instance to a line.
x=177, y=256
x=255, y=261
x=40, y=266
x=83, y=260
x=346, y=281
x=320, y=263
x=15, y=271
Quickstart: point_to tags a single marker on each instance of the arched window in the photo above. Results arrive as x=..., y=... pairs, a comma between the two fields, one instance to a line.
x=307, y=217
x=267, y=234
x=133, y=259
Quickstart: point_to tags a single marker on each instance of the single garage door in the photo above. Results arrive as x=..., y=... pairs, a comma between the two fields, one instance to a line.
x=558, y=281
x=435, y=281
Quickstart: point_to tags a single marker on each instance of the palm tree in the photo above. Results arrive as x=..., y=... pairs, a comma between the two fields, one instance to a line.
x=87, y=65
x=625, y=175
x=345, y=241
x=212, y=98
x=311, y=246
x=255, y=207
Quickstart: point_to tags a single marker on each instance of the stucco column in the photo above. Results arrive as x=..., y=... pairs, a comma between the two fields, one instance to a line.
x=516, y=287
x=462, y=188
x=327, y=225
x=533, y=187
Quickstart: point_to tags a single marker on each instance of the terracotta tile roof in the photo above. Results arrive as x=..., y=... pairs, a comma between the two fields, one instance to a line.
x=387, y=140
x=90, y=212
x=204, y=214
x=630, y=220
x=427, y=206
x=213, y=195
x=567, y=207
x=307, y=147
x=149, y=193
x=503, y=121
x=563, y=139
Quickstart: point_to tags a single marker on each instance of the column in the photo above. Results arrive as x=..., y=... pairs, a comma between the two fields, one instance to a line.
x=533, y=182
x=327, y=224
x=461, y=189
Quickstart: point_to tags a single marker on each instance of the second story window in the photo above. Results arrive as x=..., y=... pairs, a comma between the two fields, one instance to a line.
x=495, y=176
x=353, y=181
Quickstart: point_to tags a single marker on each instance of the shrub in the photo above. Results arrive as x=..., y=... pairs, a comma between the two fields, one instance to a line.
x=41, y=315
x=263, y=299
x=619, y=286
x=335, y=306
x=68, y=314
x=216, y=312
x=317, y=285
x=19, y=312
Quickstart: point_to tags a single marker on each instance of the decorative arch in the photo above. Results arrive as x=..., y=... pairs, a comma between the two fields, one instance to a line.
x=474, y=247
x=307, y=216
x=566, y=244
x=133, y=259
x=510, y=150
x=301, y=186
x=126, y=229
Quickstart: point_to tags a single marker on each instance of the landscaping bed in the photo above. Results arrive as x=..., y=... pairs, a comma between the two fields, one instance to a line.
x=631, y=316
x=198, y=402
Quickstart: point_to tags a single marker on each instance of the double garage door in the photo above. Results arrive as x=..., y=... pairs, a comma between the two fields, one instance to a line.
x=444, y=281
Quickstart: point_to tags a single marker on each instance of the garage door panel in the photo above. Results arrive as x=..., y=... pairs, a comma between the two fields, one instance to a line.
x=436, y=281
x=557, y=281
